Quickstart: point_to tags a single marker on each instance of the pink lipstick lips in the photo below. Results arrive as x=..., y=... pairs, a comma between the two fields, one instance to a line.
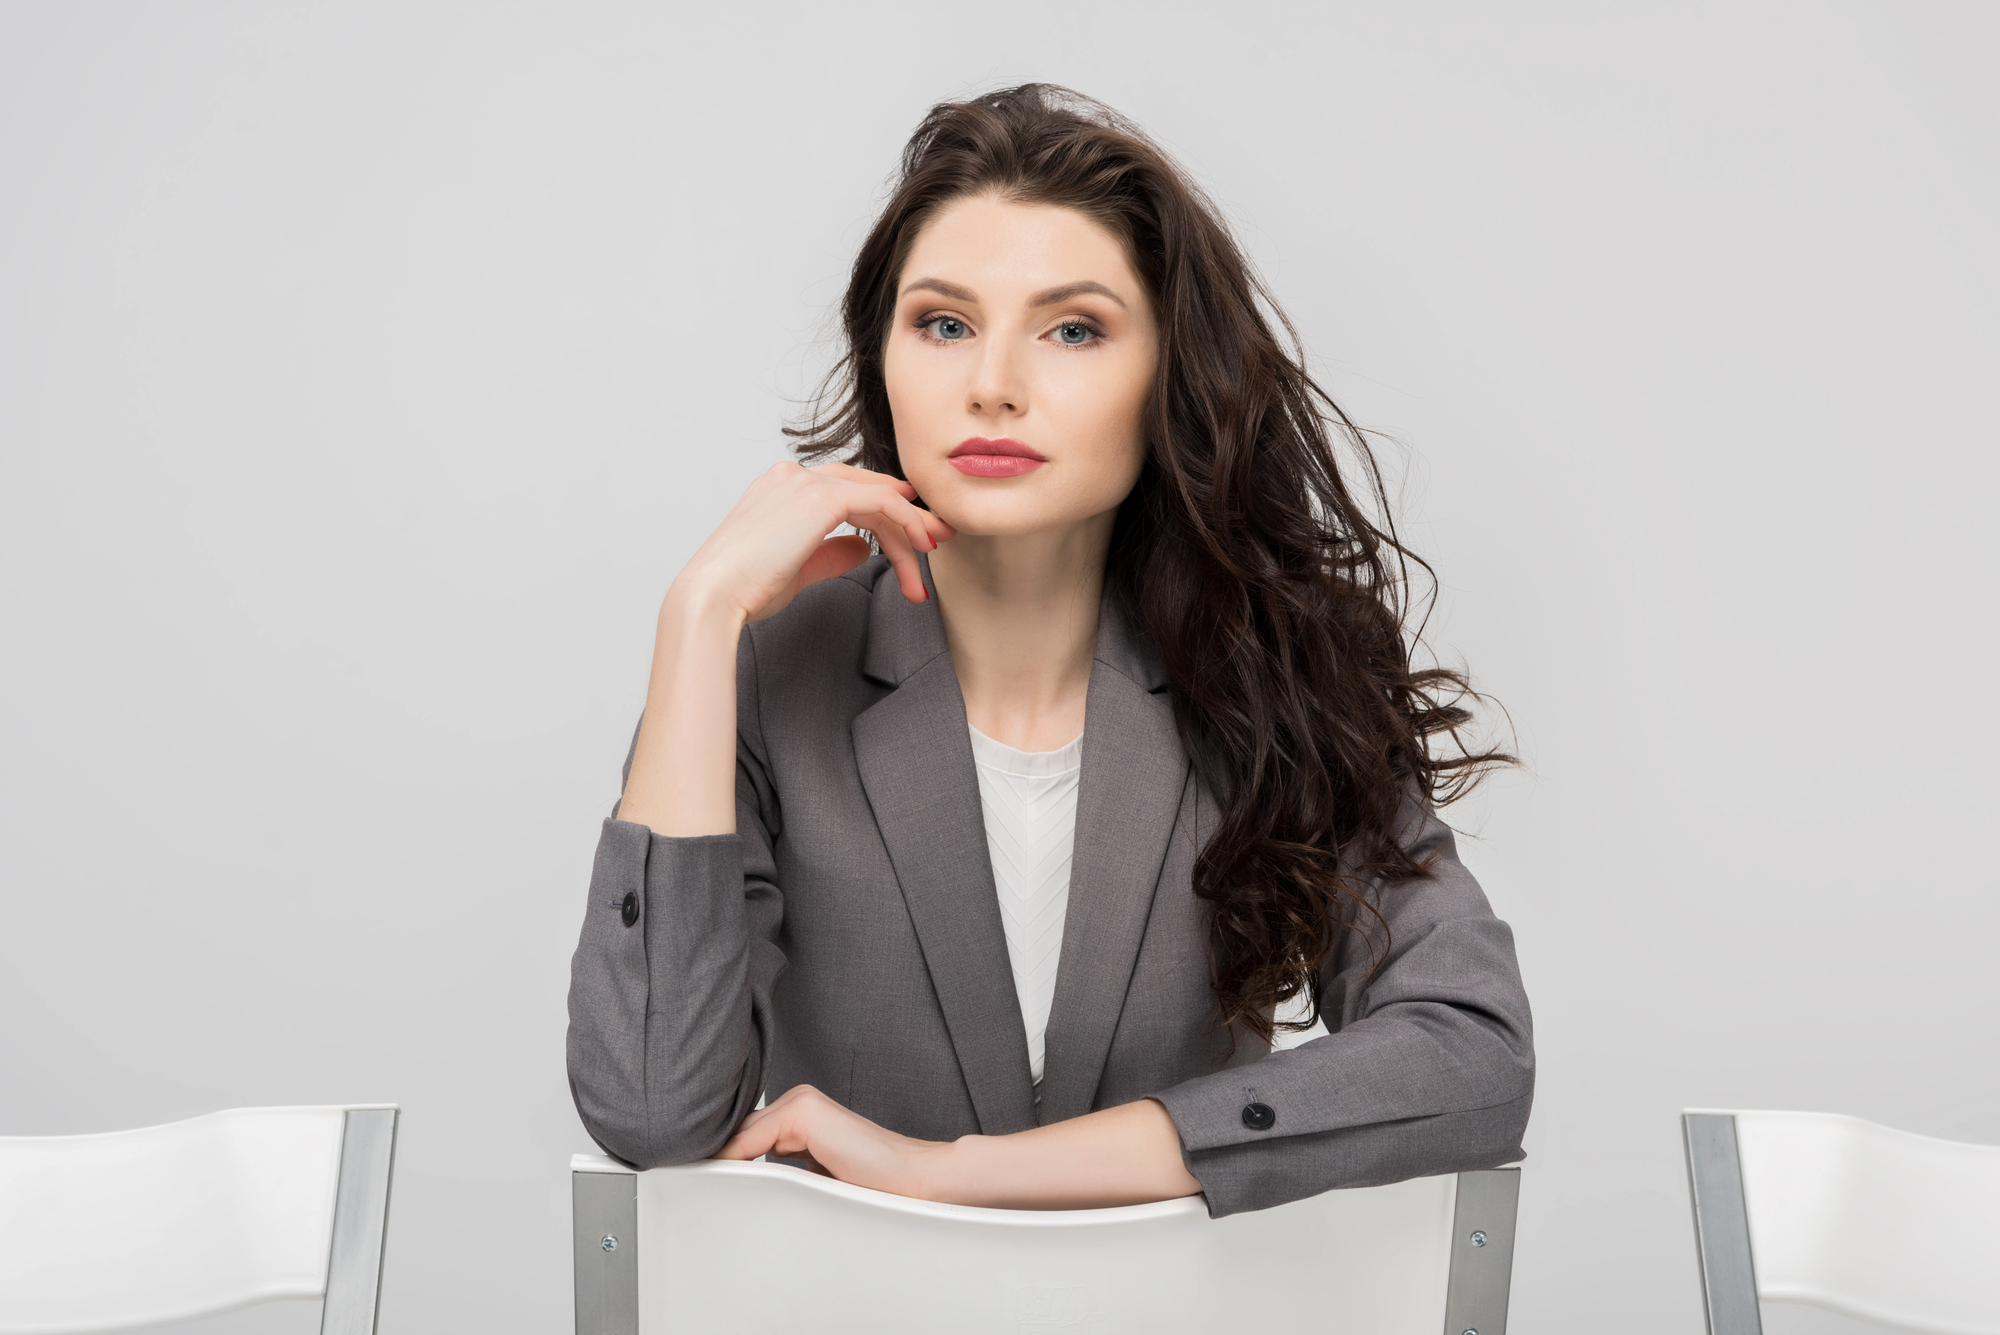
x=1005, y=457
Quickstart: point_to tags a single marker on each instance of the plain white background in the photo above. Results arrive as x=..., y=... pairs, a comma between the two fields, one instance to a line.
x=366, y=371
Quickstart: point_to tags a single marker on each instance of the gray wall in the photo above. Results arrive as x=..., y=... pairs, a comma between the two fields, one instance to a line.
x=367, y=371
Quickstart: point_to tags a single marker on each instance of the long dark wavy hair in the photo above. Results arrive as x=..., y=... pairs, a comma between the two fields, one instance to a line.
x=1275, y=594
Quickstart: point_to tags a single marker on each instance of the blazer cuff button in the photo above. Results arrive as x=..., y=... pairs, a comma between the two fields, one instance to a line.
x=1259, y=1116
x=628, y=910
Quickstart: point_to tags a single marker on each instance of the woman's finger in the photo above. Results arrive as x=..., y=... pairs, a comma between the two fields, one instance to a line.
x=756, y=1116
x=924, y=529
x=761, y=1127
x=902, y=556
x=848, y=472
x=894, y=500
x=751, y=1142
x=899, y=542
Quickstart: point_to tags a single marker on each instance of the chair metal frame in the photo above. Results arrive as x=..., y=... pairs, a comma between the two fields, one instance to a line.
x=353, y=1300
x=1721, y=1224
x=606, y=1247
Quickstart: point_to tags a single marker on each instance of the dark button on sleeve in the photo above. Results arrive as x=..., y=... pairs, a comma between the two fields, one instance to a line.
x=629, y=910
x=1259, y=1116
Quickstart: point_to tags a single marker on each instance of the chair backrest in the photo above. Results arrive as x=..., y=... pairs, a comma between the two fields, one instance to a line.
x=761, y=1246
x=163, y=1223
x=1864, y=1220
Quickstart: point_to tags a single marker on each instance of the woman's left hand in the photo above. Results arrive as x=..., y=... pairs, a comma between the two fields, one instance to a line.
x=804, y=1123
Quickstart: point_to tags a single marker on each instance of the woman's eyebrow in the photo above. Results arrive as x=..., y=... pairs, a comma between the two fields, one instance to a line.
x=942, y=288
x=1068, y=290
x=1049, y=297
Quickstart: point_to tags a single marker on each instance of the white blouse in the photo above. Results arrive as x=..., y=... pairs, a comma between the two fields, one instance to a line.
x=1029, y=798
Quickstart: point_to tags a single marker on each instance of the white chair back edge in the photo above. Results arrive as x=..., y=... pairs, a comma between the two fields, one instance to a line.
x=365, y=1156
x=606, y=1252
x=1725, y=1227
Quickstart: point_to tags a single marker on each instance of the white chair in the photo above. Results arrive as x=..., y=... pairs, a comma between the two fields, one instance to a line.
x=759, y=1246
x=1860, y=1219
x=135, y=1228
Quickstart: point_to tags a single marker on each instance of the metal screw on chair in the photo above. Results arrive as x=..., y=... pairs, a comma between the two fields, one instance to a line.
x=1478, y=1240
x=610, y=1244
x=1470, y=1332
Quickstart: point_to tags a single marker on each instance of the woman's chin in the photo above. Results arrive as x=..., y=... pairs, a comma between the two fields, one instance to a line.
x=997, y=521
x=986, y=511
x=1014, y=507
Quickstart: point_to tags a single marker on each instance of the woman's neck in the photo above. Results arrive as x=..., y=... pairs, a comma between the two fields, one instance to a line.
x=1020, y=616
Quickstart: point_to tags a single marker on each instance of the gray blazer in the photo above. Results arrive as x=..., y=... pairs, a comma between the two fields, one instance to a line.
x=848, y=936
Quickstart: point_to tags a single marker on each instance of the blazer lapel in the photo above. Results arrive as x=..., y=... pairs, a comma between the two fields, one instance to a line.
x=1135, y=772
x=915, y=760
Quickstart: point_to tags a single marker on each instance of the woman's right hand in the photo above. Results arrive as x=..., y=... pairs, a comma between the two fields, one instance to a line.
x=769, y=546
x=774, y=541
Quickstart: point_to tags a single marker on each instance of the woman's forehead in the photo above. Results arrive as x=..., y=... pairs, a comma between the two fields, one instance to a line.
x=993, y=249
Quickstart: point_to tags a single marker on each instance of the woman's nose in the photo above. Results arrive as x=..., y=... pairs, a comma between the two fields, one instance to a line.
x=997, y=388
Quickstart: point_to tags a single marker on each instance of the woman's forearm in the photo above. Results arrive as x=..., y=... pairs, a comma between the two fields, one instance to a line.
x=683, y=779
x=1126, y=1155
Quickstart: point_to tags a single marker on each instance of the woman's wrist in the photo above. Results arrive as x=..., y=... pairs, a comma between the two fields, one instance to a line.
x=964, y=1171
x=1116, y=1156
x=694, y=603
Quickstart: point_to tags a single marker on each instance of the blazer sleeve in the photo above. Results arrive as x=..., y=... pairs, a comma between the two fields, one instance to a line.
x=670, y=987
x=1428, y=1066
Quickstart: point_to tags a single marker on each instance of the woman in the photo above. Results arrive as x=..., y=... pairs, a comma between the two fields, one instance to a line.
x=989, y=854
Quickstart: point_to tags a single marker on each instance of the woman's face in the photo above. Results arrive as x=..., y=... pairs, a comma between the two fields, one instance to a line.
x=1018, y=366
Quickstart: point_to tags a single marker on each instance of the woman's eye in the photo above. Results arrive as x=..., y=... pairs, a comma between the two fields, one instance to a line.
x=948, y=329
x=1074, y=334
